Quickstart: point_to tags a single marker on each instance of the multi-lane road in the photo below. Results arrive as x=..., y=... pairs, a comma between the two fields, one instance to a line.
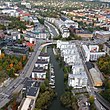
x=52, y=29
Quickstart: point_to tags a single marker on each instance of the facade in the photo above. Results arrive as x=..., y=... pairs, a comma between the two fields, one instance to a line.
x=44, y=56
x=63, y=29
x=107, y=48
x=8, y=11
x=39, y=73
x=77, y=80
x=105, y=35
x=30, y=39
x=92, y=53
x=17, y=49
x=42, y=63
x=59, y=43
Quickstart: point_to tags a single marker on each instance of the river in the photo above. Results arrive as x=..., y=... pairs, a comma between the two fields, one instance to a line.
x=59, y=82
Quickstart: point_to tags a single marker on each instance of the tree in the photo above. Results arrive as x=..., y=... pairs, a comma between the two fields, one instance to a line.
x=42, y=87
x=68, y=100
x=91, y=99
x=11, y=65
x=24, y=57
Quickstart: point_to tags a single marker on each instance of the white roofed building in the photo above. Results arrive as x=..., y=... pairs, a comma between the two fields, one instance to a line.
x=92, y=53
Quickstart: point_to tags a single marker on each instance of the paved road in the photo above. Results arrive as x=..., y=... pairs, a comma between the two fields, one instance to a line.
x=52, y=29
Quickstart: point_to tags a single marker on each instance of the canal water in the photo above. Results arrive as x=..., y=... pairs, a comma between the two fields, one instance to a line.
x=59, y=82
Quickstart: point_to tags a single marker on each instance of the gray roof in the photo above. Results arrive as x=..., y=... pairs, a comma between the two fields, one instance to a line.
x=38, y=69
x=41, y=61
x=89, y=65
x=32, y=91
x=44, y=54
x=31, y=87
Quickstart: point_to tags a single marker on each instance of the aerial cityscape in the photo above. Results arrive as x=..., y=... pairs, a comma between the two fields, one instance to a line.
x=54, y=54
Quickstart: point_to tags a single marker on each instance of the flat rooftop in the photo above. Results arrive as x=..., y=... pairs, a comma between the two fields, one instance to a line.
x=26, y=104
x=31, y=87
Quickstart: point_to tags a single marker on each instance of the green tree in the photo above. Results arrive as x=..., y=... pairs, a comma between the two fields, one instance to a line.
x=42, y=87
x=91, y=99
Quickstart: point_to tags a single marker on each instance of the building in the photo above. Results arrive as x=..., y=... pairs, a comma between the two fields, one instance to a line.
x=18, y=49
x=30, y=39
x=69, y=22
x=96, y=78
x=42, y=63
x=39, y=73
x=8, y=10
x=107, y=48
x=69, y=51
x=77, y=80
x=59, y=43
x=92, y=53
x=30, y=93
x=38, y=32
x=63, y=29
x=44, y=56
x=105, y=35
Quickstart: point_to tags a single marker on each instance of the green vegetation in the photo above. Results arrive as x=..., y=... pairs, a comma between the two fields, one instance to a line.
x=106, y=92
x=13, y=104
x=31, y=49
x=45, y=97
x=41, y=20
x=71, y=37
x=89, y=27
x=2, y=27
x=16, y=23
x=104, y=64
x=67, y=69
x=69, y=101
x=91, y=100
x=9, y=65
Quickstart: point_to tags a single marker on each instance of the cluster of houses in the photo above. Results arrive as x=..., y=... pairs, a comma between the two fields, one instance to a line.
x=34, y=29
x=31, y=88
x=69, y=51
x=63, y=24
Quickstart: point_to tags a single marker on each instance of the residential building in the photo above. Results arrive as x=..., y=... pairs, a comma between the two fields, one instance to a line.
x=18, y=49
x=42, y=63
x=77, y=80
x=39, y=73
x=107, y=48
x=30, y=93
x=69, y=51
x=63, y=29
x=69, y=22
x=105, y=35
x=44, y=56
x=92, y=53
x=8, y=10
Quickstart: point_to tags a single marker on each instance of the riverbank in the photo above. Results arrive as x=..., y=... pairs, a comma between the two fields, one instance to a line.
x=59, y=82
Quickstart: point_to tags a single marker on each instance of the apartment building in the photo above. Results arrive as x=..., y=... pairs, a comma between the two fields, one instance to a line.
x=92, y=53
x=69, y=51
